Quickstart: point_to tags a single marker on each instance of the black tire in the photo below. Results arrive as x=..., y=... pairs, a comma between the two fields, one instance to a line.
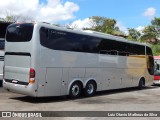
x=75, y=90
x=141, y=84
x=90, y=89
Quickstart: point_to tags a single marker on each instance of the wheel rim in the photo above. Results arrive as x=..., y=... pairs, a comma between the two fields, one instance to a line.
x=90, y=89
x=75, y=90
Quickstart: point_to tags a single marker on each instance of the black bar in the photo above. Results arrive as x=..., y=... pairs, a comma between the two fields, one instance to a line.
x=79, y=113
x=19, y=82
x=18, y=53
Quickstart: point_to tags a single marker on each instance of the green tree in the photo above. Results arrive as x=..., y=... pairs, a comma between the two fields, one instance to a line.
x=151, y=33
x=156, y=49
x=105, y=25
x=16, y=18
x=134, y=35
x=156, y=21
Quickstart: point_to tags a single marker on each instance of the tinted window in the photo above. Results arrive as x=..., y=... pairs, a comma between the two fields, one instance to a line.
x=3, y=27
x=19, y=32
x=149, y=51
x=2, y=44
x=67, y=41
x=121, y=48
x=61, y=40
x=136, y=49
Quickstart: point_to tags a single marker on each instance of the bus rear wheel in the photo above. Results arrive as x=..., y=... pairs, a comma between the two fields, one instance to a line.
x=75, y=90
x=90, y=89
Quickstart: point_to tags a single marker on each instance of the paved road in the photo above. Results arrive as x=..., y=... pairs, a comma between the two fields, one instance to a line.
x=131, y=99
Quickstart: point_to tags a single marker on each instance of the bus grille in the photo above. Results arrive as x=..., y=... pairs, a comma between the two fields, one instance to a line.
x=1, y=58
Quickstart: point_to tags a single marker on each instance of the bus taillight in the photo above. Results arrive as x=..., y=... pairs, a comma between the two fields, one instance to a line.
x=32, y=76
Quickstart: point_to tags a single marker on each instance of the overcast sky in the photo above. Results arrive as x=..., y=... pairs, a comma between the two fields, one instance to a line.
x=128, y=13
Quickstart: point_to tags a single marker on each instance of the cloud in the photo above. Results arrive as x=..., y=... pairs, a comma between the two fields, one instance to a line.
x=51, y=11
x=140, y=28
x=122, y=27
x=150, y=12
x=88, y=23
x=79, y=24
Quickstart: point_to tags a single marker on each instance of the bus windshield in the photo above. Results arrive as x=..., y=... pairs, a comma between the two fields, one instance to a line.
x=19, y=32
x=157, y=67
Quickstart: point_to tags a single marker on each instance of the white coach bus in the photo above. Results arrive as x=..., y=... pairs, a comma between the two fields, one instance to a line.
x=3, y=27
x=45, y=60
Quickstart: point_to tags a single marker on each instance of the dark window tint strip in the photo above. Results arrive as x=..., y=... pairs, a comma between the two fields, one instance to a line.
x=18, y=53
x=68, y=41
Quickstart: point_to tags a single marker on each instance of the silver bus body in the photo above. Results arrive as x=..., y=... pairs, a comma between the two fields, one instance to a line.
x=33, y=69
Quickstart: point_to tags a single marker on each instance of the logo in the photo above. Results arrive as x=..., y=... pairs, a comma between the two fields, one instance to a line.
x=6, y=114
